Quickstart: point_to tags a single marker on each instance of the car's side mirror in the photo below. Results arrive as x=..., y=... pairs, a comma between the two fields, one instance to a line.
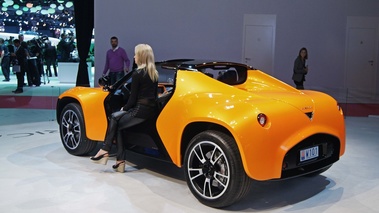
x=104, y=81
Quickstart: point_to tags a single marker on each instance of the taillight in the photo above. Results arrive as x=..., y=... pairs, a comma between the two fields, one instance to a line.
x=262, y=119
x=339, y=108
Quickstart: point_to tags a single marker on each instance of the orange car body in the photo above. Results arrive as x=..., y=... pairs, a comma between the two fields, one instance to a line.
x=236, y=108
x=200, y=99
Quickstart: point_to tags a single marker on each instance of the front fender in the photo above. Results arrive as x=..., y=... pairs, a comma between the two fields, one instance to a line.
x=91, y=100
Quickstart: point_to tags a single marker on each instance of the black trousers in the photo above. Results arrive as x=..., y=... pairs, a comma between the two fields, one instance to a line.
x=299, y=85
x=50, y=62
x=32, y=73
x=21, y=75
x=119, y=121
x=5, y=67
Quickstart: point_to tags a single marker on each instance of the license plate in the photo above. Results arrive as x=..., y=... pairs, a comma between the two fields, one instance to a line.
x=307, y=154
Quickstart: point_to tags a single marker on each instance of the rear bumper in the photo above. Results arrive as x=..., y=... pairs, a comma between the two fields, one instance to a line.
x=328, y=153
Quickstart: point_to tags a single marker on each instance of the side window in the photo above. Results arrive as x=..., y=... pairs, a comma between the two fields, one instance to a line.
x=229, y=76
x=166, y=76
x=232, y=75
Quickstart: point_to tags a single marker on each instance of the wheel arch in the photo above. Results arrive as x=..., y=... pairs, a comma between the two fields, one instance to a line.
x=61, y=103
x=239, y=183
x=95, y=124
x=193, y=129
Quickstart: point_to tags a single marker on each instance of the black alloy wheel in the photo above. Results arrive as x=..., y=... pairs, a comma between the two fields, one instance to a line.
x=214, y=170
x=72, y=131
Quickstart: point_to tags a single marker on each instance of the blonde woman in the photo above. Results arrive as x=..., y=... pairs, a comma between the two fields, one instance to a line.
x=141, y=105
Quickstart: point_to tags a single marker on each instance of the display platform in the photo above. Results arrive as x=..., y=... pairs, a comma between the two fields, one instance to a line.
x=38, y=175
x=68, y=71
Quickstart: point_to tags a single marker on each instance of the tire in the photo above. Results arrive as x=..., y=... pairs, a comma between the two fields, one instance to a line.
x=214, y=170
x=313, y=174
x=72, y=131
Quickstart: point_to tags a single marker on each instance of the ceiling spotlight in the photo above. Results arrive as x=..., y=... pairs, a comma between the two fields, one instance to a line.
x=69, y=4
x=9, y=2
x=29, y=5
x=51, y=10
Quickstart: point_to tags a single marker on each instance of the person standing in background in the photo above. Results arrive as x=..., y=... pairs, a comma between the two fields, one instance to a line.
x=65, y=47
x=116, y=62
x=50, y=56
x=5, y=60
x=300, y=68
x=21, y=56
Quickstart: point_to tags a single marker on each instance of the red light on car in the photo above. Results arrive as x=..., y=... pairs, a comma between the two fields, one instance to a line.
x=262, y=119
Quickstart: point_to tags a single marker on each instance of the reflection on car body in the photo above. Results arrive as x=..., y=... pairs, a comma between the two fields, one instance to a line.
x=225, y=123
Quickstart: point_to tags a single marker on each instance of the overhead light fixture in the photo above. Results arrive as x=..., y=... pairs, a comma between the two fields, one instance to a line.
x=69, y=4
x=9, y=2
x=51, y=10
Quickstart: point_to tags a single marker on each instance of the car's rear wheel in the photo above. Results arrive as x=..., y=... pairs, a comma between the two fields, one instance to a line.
x=214, y=170
x=72, y=131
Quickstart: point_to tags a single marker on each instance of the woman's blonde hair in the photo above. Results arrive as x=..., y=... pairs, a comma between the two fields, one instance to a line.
x=146, y=60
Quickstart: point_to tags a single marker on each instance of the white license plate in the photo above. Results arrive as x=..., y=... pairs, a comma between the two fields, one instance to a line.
x=307, y=154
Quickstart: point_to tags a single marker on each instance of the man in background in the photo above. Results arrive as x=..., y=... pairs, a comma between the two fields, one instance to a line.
x=50, y=56
x=5, y=60
x=65, y=47
x=116, y=62
x=21, y=60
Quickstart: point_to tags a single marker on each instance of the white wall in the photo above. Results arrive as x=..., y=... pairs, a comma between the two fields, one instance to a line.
x=213, y=29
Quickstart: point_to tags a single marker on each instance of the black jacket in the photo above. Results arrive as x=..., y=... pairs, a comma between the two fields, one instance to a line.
x=21, y=55
x=299, y=70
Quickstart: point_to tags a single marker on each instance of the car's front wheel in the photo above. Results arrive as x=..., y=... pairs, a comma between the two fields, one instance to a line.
x=214, y=170
x=72, y=131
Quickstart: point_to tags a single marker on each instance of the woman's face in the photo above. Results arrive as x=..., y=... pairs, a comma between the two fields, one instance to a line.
x=136, y=58
x=303, y=53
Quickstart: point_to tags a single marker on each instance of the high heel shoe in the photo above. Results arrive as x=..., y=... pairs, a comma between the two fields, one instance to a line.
x=101, y=159
x=119, y=167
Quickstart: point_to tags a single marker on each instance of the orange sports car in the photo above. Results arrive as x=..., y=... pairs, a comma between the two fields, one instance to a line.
x=225, y=123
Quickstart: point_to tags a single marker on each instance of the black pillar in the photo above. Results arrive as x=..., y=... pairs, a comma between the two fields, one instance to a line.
x=84, y=24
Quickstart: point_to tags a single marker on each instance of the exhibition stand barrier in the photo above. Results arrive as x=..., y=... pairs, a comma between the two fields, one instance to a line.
x=68, y=71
